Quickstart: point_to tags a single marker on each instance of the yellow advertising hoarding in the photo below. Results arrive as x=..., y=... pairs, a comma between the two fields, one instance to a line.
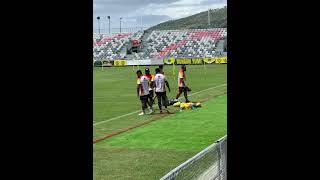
x=120, y=63
x=183, y=61
x=196, y=60
x=169, y=61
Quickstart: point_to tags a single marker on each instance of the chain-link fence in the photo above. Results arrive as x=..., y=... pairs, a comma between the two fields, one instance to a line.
x=209, y=164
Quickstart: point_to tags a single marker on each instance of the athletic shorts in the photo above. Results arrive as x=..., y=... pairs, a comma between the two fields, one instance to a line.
x=163, y=97
x=183, y=89
x=160, y=94
x=150, y=93
x=144, y=98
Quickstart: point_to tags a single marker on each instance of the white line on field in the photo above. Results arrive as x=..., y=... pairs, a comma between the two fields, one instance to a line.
x=108, y=120
x=104, y=97
x=206, y=90
x=116, y=117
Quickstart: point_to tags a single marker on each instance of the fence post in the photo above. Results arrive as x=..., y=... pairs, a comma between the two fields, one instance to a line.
x=219, y=159
x=222, y=155
x=226, y=160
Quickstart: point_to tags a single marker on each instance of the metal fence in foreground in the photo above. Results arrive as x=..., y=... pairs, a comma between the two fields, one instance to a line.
x=209, y=164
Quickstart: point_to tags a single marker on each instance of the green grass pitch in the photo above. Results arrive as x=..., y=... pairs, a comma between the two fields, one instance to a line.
x=150, y=151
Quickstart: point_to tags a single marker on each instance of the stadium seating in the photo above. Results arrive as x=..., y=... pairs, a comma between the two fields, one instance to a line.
x=109, y=47
x=160, y=44
x=184, y=43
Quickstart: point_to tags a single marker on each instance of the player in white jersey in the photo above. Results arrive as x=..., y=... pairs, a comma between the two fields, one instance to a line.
x=160, y=85
x=143, y=92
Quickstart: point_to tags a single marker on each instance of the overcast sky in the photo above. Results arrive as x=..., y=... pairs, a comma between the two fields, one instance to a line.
x=150, y=11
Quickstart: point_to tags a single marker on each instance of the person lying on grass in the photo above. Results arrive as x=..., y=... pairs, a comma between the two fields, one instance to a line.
x=188, y=105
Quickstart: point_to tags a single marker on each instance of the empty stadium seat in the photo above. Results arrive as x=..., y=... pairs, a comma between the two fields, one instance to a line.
x=159, y=44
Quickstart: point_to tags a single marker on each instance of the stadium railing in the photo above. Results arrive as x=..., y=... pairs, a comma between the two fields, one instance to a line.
x=209, y=164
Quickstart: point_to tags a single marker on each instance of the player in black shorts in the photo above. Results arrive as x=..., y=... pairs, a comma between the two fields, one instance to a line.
x=160, y=85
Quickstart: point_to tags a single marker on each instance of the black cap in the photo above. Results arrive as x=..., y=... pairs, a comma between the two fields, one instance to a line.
x=147, y=70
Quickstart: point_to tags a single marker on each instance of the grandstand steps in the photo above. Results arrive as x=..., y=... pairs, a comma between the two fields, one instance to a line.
x=220, y=46
x=225, y=45
x=145, y=36
x=123, y=51
x=144, y=41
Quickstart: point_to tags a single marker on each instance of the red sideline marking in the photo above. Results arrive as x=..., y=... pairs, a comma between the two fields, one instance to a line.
x=128, y=128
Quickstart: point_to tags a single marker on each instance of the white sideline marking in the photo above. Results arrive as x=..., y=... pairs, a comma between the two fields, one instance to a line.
x=108, y=120
x=205, y=90
x=116, y=117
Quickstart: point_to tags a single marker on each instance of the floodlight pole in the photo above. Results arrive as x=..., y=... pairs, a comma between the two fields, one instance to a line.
x=120, y=24
x=98, y=18
x=109, y=24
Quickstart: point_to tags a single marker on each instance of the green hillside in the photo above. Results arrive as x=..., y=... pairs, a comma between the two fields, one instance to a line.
x=218, y=19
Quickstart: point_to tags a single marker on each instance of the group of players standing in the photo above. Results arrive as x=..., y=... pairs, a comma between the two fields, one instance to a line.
x=148, y=84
